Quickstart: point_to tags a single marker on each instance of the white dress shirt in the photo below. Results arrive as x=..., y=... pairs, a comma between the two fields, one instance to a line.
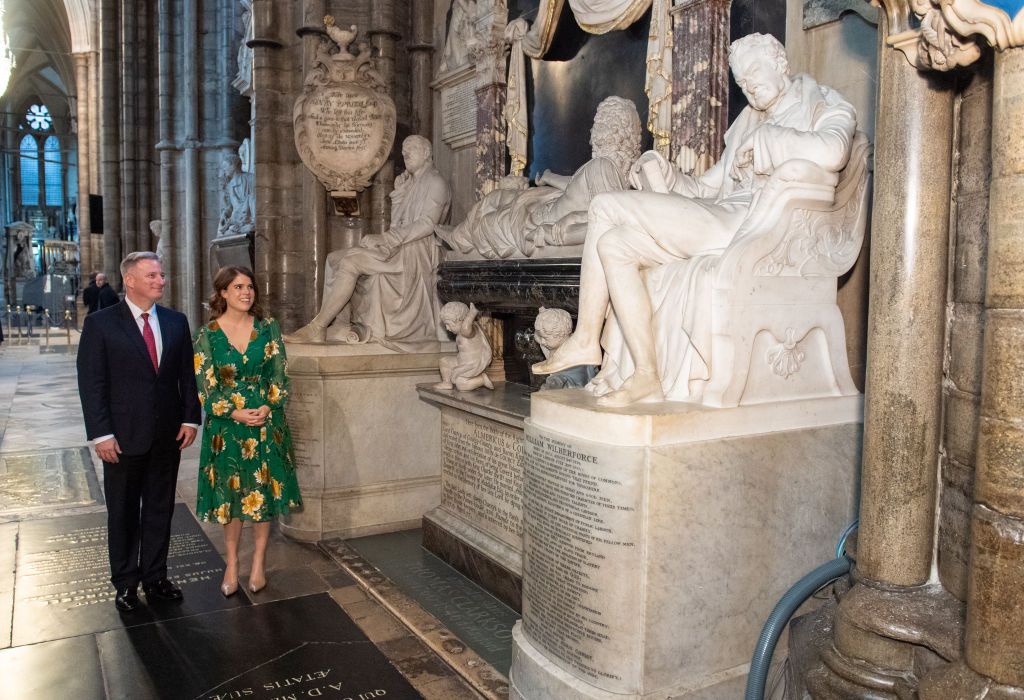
x=137, y=315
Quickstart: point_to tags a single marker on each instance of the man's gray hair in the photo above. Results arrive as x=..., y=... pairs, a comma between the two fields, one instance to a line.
x=133, y=259
x=764, y=44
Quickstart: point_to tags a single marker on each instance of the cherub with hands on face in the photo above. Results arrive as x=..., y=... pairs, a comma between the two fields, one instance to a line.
x=465, y=371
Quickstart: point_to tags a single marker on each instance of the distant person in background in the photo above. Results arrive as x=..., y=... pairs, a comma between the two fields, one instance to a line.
x=107, y=296
x=91, y=294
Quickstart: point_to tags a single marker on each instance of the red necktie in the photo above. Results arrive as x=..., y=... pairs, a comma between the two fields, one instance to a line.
x=147, y=335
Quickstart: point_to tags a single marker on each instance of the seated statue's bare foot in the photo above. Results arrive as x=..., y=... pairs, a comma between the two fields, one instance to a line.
x=310, y=333
x=444, y=385
x=642, y=387
x=487, y=381
x=572, y=353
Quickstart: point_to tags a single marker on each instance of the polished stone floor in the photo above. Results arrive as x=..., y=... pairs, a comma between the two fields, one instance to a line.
x=316, y=630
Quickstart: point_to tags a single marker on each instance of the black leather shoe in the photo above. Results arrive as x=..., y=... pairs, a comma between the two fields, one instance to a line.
x=162, y=589
x=127, y=599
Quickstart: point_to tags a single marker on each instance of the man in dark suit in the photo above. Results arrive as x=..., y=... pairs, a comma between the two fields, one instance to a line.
x=91, y=294
x=105, y=294
x=138, y=393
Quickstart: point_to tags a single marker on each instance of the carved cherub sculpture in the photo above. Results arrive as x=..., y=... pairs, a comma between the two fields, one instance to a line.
x=550, y=330
x=465, y=371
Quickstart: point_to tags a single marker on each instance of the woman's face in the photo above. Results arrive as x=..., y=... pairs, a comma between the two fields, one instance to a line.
x=240, y=294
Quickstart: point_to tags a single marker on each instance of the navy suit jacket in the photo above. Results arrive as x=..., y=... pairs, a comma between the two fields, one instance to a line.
x=120, y=391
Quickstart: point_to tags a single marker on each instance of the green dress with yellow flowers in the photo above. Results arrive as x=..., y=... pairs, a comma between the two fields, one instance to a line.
x=245, y=471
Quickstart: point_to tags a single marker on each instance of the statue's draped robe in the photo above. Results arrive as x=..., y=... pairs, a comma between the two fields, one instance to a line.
x=810, y=122
x=497, y=226
x=397, y=303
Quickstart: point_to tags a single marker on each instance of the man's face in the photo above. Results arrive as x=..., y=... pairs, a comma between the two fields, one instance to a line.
x=760, y=79
x=415, y=157
x=145, y=281
x=101, y=280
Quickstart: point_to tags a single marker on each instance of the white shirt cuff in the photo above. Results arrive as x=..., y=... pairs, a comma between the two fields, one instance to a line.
x=98, y=440
x=192, y=425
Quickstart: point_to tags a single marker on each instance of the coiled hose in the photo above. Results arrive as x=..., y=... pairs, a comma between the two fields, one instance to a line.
x=776, y=622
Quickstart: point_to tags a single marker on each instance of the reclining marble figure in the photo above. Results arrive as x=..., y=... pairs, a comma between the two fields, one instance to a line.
x=514, y=220
x=785, y=150
x=388, y=282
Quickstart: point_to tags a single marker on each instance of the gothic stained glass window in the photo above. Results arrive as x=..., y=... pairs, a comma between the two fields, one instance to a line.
x=29, y=171
x=52, y=172
x=38, y=117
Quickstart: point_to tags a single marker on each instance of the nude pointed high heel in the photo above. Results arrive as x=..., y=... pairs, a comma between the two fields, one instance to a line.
x=229, y=589
x=257, y=588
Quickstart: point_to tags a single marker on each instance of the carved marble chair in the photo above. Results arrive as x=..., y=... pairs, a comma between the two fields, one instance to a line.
x=776, y=331
x=758, y=321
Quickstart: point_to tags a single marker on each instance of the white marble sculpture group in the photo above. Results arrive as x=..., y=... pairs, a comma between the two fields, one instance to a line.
x=721, y=289
x=718, y=290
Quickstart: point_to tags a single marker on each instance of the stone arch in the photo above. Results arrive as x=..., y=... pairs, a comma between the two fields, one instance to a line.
x=80, y=19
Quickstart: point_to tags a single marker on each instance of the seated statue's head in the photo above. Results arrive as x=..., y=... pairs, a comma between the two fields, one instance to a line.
x=616, y=132
x=417, y=153
x=230, y=164
x=761, y=69
x=551, y=328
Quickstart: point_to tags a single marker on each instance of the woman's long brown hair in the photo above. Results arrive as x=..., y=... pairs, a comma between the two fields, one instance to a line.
x=222, y=280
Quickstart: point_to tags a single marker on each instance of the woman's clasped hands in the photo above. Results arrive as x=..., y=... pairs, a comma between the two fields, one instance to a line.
x=254, y=417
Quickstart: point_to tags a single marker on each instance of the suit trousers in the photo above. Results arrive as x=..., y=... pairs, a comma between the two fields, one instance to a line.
x=140, y=502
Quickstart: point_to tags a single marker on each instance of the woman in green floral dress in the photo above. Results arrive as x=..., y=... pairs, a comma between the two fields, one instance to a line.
x=246, y=468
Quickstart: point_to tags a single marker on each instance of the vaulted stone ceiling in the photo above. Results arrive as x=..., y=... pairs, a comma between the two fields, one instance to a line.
x=40, y=35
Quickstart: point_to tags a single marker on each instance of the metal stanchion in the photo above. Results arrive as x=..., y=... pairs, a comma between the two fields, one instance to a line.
x=46, y=327
x=67, y=324
x=10, y=327
x=21, y=337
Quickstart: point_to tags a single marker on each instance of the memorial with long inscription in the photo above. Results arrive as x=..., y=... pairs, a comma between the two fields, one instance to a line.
x=344, y=119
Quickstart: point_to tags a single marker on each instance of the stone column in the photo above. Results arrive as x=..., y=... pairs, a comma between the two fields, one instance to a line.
x=421, y=55
x=314, y=197
x=86, y=263
x=110, y=139
x=128, y=75
x=190, y=263
x=995, y=616
x=165, y=147
x=489, y=58
x=383, y=37
x=903, y=392
x=94, y=149
x=700, y=83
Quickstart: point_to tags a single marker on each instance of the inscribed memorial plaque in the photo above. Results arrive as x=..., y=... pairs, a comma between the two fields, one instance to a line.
x=458, y=113
x=482, y=474
x=582, y=519
x=344, y=120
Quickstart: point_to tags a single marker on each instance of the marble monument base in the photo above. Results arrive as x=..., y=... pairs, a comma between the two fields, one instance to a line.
x=477, y=528
x=657, y=538
x=367, y=451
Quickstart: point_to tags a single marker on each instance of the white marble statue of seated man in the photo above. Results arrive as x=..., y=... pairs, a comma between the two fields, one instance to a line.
x=238, y=198
x=395, y=271
x=677, y=216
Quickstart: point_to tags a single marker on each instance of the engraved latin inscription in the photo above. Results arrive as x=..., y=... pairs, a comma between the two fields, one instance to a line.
x=304, y=420
x=582, y=527
x=482, y=474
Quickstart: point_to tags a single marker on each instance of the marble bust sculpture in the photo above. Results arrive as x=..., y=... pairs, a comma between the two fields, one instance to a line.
x=237, y=215
x=795, y=135
x=514, y=220
x=465, y=371
x=388, y=282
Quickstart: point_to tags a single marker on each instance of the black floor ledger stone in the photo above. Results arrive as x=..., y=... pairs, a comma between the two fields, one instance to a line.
x=62, y=578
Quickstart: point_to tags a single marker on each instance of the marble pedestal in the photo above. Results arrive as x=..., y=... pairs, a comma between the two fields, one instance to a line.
x=657, y=538
x=477, y=528
x=367, y=450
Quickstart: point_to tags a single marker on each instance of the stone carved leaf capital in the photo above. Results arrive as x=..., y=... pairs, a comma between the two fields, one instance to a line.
x=950, y=32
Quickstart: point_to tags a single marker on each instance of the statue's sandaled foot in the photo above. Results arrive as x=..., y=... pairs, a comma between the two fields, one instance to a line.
x=572, y=353
x=310, y=333
x=444, y=385
x=642, y=387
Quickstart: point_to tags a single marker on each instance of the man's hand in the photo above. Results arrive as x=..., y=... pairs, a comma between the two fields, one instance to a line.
x=744, y=157
x=186, y=436
x=649, y=166
x=108, y=450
